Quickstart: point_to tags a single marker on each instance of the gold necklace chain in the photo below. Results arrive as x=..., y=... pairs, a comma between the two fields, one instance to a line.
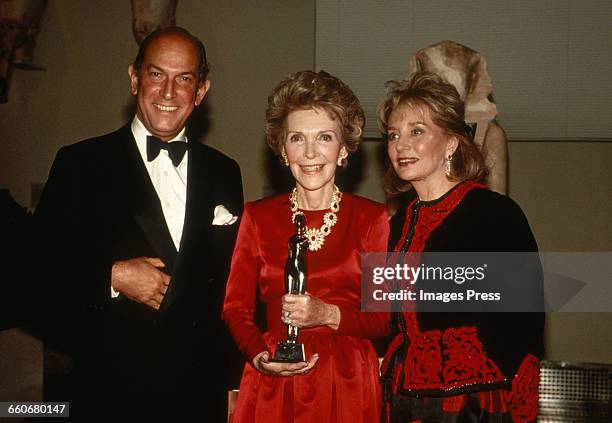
x=316, y=236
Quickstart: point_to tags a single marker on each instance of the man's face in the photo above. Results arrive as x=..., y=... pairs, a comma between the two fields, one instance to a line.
x=167, y=87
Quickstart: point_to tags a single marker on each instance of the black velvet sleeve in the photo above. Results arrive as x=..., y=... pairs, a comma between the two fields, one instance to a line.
x=70, y=273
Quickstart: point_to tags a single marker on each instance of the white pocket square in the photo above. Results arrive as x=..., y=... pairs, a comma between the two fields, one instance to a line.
x=223, y=216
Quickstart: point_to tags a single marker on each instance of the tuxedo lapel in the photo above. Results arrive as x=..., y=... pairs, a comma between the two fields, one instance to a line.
x=198, y=210
x=142, y=200
x=198, y=219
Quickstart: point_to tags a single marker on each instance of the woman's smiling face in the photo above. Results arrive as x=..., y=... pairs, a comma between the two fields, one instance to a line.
x=417, y=147
x=312, y=146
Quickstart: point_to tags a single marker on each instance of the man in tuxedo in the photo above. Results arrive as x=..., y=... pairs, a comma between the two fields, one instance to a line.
x=137, y=230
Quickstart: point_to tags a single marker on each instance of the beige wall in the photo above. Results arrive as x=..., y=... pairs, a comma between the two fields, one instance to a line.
x=564, y=188
x=252, y=46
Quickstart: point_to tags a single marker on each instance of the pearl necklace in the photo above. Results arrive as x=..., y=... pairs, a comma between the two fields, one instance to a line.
x=316, y=236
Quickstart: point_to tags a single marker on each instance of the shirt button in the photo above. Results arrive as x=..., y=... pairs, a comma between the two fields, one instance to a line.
x=168, y=205
x=165, y=173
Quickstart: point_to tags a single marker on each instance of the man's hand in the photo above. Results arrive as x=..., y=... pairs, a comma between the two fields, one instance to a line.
x=140, y=280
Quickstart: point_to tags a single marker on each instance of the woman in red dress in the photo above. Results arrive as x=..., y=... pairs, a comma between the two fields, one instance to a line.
x=313, y=122
x=461, y=366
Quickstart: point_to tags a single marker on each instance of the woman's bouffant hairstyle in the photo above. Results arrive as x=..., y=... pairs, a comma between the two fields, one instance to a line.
x=308, y=90
x=426, y=92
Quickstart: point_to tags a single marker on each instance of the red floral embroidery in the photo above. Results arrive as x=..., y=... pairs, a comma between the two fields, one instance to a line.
x=465, y=361
x=448, y=360
x=523, y=398
x=432, y=216
x=424, y=360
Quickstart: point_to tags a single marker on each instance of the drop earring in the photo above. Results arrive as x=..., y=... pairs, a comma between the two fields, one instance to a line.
x=342, y=157
x=448, y=165
x=284, y=158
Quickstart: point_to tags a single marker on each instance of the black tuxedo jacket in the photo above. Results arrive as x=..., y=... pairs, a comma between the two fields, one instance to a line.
x=99, y=206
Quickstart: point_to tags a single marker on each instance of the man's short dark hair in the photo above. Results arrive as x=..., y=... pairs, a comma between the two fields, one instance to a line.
x=204, y=66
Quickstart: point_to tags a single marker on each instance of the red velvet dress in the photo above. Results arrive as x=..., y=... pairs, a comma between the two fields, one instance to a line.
x=343, y=386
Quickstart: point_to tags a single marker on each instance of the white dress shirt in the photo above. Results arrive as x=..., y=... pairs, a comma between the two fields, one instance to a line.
x=170, y=182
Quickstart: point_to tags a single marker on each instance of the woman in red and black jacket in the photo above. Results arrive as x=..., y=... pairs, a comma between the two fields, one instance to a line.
x=463, y=366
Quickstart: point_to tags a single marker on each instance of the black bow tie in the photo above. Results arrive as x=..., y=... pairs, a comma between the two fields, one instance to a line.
x=176, y=149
